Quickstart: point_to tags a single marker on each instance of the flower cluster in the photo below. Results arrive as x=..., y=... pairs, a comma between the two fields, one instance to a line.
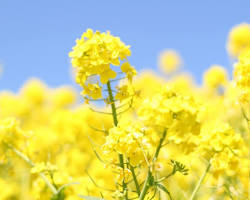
x=215, y=77
x=177, y=113
x=242, y=75
x=239, y=39
x=156, y=137
x=93, y=56
x=128, y=139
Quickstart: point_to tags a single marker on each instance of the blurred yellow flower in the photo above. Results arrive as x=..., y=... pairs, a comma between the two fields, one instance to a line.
x=215, y=77
x=169, y=61
x=238, y=39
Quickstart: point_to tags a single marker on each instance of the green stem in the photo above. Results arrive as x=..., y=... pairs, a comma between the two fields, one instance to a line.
x=27, y=160
x=115, y=120
x=137, y=186
x=200, y=182
x=112, y=102
x=146, y=183
x=166, y=177
x=160, y=144
x=145, y=186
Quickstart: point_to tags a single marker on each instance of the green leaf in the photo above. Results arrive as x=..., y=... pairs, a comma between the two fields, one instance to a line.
x=179, y=167
x=163, y=188
x=90, y=198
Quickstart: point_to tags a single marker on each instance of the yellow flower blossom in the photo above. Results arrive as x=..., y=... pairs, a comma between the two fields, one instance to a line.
x=175, y=112
x=238, y=39
x=129, y=70
x=129, y=140
x=93, y=90
x=95, y=52
x=215, y=77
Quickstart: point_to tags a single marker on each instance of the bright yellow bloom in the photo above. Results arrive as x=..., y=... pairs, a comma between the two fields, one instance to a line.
x=95, y=52
x=215, y=77
x=93, y=90
x=242, y=70
x=11, y=133
x=238, y=39
x=129, y=70
x=34, y=91
x=223, y=146
x=124, y=92
x=128, y=139
x=175, y=112
x=242, y=75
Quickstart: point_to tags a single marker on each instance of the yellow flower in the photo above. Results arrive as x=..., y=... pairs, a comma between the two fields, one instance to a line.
x=242, y=70
x=129, y=70
x=106, y=75
x=127, y=139
x=34, y=91
x=242, y=76
x=215, y=77
x=238, y=39
x=169, y=61
x=93, y=90
x=170, y=110
x=124, y=92
x=220, y=143
x=95, y=52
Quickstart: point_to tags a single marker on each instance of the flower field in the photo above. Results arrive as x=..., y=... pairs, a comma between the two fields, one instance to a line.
x=130, y=135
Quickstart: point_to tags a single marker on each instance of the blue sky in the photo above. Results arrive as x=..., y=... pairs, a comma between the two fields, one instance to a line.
x=36, y=36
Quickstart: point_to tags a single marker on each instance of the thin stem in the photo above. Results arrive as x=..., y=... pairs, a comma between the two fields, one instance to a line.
x=115, y=120
x=145, y=186
x=245, y=117
x=135, y=180
x=27, y=160
x=160, y=144
x=111, y=98
x=146, y=183
x=166, y=177
x=101, y=112
x=200, y=182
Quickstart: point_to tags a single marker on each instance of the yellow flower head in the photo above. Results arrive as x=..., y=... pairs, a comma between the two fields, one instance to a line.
x=242, y=76
x=128, y=70
x=94, y=55
x=175, y=112
x=93, y=90
x=169, y=61
x=34, y=91
x=239, y=39
x=215, y=77
x=242, y=70
x=95, y=52
x=127, y=139
x=220, y=143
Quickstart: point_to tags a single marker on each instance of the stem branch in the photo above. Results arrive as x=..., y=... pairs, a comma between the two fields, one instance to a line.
x=197, y=187
x=27, y=160
x=146, y=183
x=137, y=186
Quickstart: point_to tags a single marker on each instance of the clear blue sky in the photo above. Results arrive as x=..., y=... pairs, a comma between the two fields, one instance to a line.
x=36, y=36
